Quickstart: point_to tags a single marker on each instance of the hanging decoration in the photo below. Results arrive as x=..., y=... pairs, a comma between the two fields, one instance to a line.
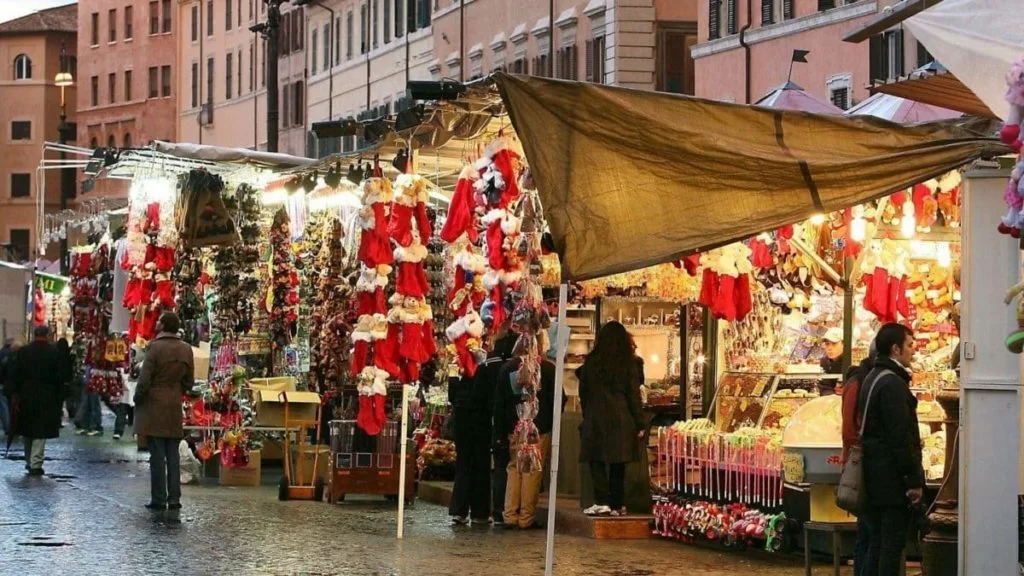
x=331, y=297
x=283, y=297
x=235, y=266
x=150, y=257
x=1011, y=135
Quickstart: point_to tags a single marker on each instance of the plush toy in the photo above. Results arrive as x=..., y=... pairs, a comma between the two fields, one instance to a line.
x=1015, y=341
x=1011, y=135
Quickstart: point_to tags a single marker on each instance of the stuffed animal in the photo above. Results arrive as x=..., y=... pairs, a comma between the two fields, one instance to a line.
x=1015, y=341
x=1010, y=135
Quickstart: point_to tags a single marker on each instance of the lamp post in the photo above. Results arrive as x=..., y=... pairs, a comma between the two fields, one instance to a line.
x=65, y=131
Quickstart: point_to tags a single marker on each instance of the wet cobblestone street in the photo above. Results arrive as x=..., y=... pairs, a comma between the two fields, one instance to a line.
x=86, y=517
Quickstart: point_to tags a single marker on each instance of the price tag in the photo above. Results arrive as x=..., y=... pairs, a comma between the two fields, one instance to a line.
x=116, y=350
x=793, y=467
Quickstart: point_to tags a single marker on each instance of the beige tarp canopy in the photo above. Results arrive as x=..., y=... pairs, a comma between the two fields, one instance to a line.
x=630, y=179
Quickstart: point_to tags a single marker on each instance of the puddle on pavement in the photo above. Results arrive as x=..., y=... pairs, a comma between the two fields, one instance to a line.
x=44, y=542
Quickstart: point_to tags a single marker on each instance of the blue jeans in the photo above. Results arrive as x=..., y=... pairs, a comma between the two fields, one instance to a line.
x=92, y=415
x=860, y=551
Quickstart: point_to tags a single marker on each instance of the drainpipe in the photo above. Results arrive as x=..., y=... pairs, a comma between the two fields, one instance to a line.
x=202, y=64
x=746, y=49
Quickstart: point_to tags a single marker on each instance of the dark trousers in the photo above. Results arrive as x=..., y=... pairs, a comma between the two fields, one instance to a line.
x=471, y=495
x=860, y=550
x=164, y=471
x=889, y=528
x=609, y=484
x=123, y=412
x=499, y=482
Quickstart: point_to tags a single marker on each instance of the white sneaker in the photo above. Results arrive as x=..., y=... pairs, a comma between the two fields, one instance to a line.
x=117, y=436
x=93, y=433
x=603, y=511
x=81, y=432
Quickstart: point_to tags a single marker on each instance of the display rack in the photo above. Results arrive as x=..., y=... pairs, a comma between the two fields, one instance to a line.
x=356, y=469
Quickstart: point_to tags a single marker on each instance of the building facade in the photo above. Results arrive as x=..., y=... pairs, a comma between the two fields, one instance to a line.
x=835, y=70
x=223, y=85
x=642, y=44
x=30, y=53
x=361, y=56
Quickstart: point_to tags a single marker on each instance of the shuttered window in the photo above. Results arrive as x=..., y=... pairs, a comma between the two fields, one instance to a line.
x=767, y=12
x=714, y=25
x=826, y=5
x=731, y=17
x=787, y=9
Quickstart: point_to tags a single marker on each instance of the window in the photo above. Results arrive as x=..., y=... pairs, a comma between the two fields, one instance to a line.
x=209, y=17
x=826, y=5
x=674, y=65
x=20, y=242
x=568, y=67
x=21, y=185
x=298, y=103
x=422, y=14
x=387, y=21
x=298, y=29
x=154, y=82
x=239, y=13
x=195, y=23
x=94, y=33
x=923, y=56
x=112, y=87
x=129, y=22
x=375, y=26
x=94, y=91
x=228, y=70
x=721, y=18
x=165, y=75
x=519, y=66
x=540, y=66
x=238, y=57
x=112, y=25
x=250, y=10
x=209, y=79
x=127, y=85
x=314, y=46
x=111, y=141
x=167, y=16
x=127, y=140
x=263, y=65
x=195, y=84
x=595, y=66
x=284, y=35
x=252, y=68
x=285, y=108
x=94, y=143
x=327, y=46
x=154, y=18
x=399, y=17
x=840, y=98
x=767, y=12
x=337, y=41
x=364, y=29
x=227, y=14
x=21, y=130
x=349, y=33
x=773, y=11
x=22, y=67
x=886, y=55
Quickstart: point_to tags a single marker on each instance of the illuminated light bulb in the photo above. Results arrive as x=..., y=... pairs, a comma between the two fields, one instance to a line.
x=858, y=229
x=272, y=197
x=654, y=358
x=701, y=359
x=944, y=256
x=908, y=225
x=818, y=219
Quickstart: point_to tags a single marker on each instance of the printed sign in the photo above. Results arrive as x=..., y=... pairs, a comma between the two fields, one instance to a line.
x=49, y=283
x=116, y=350
x=793, y=467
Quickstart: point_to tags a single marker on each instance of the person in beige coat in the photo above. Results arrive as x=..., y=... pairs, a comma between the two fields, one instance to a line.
x=167, y=374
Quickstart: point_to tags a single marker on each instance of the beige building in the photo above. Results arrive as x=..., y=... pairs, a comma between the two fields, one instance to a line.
x=364, y=60
x=222, y=80
x=641, y=44
x=30, y=58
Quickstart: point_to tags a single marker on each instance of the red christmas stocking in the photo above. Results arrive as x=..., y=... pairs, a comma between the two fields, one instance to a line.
x=495, y=238
x=380, y=418
x=880, y=295
x=400, y=227
x=360, y=354
x=709, y=287
x=724, y=306
x=460, y=211
x=901, y=298
x=365, y=418
x=423, y=223
x=743, y=302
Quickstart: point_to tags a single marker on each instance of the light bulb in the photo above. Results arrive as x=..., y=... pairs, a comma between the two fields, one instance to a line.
x=858, y=229
x=908, y=226
x=818, y=219
x=945, y=257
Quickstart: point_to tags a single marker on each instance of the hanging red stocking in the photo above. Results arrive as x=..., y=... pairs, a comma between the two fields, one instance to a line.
x=743, y=300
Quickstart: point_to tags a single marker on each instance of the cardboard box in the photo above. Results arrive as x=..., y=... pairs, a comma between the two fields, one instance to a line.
x=279, y=384
x=201, y=360
x=250, y=475
x=306, y=457
x=270, y=407
x=273, y=450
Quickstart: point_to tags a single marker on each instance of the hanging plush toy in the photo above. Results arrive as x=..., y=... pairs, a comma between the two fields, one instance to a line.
x=1015, y=341
x=1011, y=136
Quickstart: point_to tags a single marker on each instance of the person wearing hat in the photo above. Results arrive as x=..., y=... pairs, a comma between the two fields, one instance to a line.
x=37, y=393
x=832, y=341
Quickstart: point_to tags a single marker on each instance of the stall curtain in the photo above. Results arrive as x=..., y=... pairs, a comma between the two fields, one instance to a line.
x=631, y=179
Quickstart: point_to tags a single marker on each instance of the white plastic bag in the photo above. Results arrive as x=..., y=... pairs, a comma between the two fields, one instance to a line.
x=189, y=464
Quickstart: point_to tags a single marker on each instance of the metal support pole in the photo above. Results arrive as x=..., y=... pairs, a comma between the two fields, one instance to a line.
x=273, y=109
x=561, y=343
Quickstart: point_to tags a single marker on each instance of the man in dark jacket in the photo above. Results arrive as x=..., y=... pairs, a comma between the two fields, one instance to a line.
x=37, y=393
x=472, y=399
x=893, y=474
x=168, y=372
x=523, y=488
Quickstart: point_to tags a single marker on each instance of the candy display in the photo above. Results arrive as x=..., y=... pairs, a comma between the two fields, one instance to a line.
x=734, y=525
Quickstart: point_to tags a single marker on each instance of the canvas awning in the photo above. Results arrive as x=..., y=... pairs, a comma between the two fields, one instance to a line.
x=935, y=86
x=790, y=96
x=901, y=110
x=631, y=179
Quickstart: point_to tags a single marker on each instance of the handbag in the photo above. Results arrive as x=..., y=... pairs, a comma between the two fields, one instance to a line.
x=850, y=494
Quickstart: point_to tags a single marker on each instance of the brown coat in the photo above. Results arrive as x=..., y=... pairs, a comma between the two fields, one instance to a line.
x=167, y=374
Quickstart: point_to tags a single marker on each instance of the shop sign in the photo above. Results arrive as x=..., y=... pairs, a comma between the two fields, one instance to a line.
x=50, y=284
x=116, y=350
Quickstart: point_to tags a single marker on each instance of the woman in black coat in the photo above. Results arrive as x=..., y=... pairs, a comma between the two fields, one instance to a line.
x=37, y=389
x=613, y=419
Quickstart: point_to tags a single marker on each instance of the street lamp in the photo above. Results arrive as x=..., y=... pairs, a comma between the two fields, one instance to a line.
x=64, y=79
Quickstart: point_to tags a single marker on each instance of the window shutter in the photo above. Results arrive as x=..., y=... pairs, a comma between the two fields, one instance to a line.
x=787, y=9
x=826, y=5
x=898, y=59
x=714, y=26
x=731, y=16
x=588, y=58
x=574, y=64
x=878, y=59
x=767, y=12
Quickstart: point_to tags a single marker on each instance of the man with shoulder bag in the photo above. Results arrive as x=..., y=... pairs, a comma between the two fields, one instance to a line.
x=889, y=456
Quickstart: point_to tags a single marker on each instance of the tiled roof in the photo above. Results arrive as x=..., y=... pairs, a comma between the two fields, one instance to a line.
x=59, y=19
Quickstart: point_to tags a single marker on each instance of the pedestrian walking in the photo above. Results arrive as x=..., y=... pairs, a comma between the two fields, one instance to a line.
x=37, y=394
x=90, y=411
x=472, y=399
x=613, y=420
x=6, y=383
x=523, y=488
x=851, y=437
x=893, y=474
x=168, y=372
